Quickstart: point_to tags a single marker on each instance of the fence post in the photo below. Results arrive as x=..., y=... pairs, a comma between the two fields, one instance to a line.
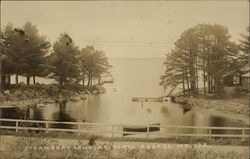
x=243, y=134
x=210, y=134
x=112, y=130
x=147, y=131
x=16, y=126
x=47, y=127
x=176, y=132
x=79, y=129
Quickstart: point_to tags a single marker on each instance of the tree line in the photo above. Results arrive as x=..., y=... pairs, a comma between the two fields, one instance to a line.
x=204, y=53
x=24, y=52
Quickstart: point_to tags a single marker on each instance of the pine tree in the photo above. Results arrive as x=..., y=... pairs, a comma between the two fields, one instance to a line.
x=64, y=60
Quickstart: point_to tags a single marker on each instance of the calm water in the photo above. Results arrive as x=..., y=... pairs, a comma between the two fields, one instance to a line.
x=133, y=78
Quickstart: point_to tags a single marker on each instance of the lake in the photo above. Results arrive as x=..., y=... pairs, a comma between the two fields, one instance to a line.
x=133, y=77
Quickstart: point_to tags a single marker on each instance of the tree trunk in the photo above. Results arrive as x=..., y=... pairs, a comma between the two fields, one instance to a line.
x=17, y=79
x=187, y=82
x=99, y=79
x=89, y=80
x=61, y=82
x=208, y=83
x=34, y=80
x=183, y=85
x=28, y=80
x=3, y=82
x=215, y=88
x=212, y=85
x=9, y=80
x=204, y=83
x=83, y=82
x=196, y=76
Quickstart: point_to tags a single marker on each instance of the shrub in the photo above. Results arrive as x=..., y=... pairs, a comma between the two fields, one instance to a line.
x=239, y=91
x=2, y=98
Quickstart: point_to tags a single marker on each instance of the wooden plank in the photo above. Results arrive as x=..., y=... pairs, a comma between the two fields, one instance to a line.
x=129, y=133
x=22, y=128
x=56, y=122
x=84, y=130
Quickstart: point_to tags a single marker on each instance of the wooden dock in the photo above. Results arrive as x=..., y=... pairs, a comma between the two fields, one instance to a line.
x=147, y=99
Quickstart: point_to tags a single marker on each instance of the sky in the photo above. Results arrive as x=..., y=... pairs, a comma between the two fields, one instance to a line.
x=126, y=28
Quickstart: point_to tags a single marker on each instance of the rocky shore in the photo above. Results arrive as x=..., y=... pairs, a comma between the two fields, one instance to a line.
x=40, y=94
x=221, y=105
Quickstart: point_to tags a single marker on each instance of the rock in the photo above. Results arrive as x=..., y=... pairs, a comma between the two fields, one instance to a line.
x=7, y=92
x=2, y=98
x=21, y=84
x=83, y=97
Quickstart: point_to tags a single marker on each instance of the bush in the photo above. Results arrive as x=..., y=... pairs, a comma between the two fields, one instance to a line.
x=2, y=98
x=239, y=91
x=73, y=86
x=52, y=90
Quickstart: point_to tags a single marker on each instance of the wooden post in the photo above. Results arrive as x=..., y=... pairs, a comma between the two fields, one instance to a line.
x=79, y=129
x=16, y=126
x=147, y=131
x=176, y=131
x=210, y=134
x=243, y=134
x=112, y=130
x=47, y=127
x=120, y=127
x=142, y=103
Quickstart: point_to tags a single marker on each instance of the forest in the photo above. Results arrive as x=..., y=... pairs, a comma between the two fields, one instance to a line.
x=204, y=53
x=24, y=52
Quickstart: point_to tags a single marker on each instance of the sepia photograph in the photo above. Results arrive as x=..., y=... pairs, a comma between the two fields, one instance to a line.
x=124, y=79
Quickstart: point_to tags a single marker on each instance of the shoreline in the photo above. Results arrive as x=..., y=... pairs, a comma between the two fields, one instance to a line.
x=222, y=107
x=22, y=97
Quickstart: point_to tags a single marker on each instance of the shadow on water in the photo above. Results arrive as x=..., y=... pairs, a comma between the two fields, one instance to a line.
x=62, y=115
x=173, y=115
x=219, y=121
x=116, y=106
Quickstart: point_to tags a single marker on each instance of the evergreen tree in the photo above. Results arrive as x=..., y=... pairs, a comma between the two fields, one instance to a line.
x=205, y=48
x=245, y=47
x=64, y=60
x=35, y=50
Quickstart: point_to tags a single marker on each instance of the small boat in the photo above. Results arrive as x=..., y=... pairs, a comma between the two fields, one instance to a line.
x=83, y=98
x=140, y=129
x=109, y=80
x=40, y=105
x=186, y=108
x=49, y=101
x=74, y=99
x=135, y=99
x=95, y=92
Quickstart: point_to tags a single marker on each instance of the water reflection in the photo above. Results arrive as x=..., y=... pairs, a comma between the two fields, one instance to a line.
x=116, y=106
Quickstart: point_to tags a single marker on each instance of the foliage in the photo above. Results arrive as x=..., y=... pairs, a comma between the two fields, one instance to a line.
x=25, y=52
x=245, y=47
x=93, y=63
x=239, y=91
x=204, y=49
x=63, y=60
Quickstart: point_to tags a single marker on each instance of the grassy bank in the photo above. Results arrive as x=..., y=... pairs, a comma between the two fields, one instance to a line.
x=87, y=136
x=225, y=105
x=38, y=147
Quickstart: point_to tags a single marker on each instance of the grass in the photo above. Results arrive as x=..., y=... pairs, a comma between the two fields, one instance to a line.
x=87, y=136
x=20, y=148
